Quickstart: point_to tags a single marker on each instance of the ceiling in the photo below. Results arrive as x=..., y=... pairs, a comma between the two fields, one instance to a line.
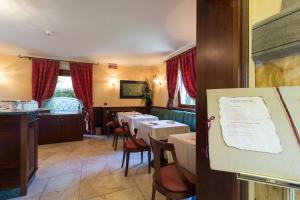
x=125, y=32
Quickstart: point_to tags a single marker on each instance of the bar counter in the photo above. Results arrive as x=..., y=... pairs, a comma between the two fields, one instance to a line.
x=18, y=148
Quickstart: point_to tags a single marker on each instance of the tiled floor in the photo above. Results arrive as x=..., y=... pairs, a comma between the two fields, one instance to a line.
x=89, y=170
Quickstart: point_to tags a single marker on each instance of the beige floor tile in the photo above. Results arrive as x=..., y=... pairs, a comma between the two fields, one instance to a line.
x=37, y=187
x=144, y=184
x=63, y=187
x=96, y=169
x=89, y=170
x=59, y=168
x=88, y=157
x=98, y=198
x=27, y=198
x=129, y=194
x=91, y=187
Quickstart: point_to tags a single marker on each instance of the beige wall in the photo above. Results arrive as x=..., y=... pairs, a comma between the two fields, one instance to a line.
x=15, y=82
x=105, y=92
x=15, y=78
x=160, y=97
x=259, y=10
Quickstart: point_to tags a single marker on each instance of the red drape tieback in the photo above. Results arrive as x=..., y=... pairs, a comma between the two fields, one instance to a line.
x=207, y=124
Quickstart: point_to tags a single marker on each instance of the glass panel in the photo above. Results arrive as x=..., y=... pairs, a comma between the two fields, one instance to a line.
x=64, y=87
x=185, y=99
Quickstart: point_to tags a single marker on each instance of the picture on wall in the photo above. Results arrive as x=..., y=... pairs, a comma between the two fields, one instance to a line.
x=131, y=89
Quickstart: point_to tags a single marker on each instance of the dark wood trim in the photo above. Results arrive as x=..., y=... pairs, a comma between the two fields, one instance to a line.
x=176, y=108
x=221, y=63
x=57, y=128
x=245, y=44
x=23, y=154
x=64, y=72
x=18, y=147
x=100, y=118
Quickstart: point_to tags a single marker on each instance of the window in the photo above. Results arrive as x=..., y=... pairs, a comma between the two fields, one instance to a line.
x=64, y=87
x=184, y=100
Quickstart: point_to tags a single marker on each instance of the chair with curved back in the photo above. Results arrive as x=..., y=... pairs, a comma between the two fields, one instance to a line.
x=117, y=130
x=171, y=180
x=109, y=123
x=133, y=145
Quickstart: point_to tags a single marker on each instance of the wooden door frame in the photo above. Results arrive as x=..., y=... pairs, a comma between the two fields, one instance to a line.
x=222, y=62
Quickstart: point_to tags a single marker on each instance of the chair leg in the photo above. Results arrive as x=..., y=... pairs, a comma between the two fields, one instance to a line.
x=108, y=131
x=149, y=161
x=142, y=156
x=116, y=142
x=153, y=191
x=123, y=158
x=127, y=163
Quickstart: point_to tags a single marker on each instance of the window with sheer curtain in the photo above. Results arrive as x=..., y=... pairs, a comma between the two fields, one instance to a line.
x=184, y=100
x=64, y=87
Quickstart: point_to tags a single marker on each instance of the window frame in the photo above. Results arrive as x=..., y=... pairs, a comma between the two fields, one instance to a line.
x=179, y=84
x=184, y=106
x=64, y=73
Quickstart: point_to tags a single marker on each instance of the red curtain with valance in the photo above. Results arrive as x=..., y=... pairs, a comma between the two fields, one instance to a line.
x=172, y=76
x=188, y=71
x=82, y=79
x=44, y=78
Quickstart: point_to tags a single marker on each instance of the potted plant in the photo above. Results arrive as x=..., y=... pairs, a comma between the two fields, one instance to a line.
x=147, y=94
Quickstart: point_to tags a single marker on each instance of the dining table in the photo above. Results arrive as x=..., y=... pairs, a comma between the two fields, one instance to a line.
x=185, y=149
x=160, y=130
x=135, y=120
x=122, y=115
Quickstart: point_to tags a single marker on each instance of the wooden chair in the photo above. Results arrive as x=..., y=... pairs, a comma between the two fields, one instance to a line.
x=172, y=180
x=117, y=131
x=133, y=145
x=109, y=123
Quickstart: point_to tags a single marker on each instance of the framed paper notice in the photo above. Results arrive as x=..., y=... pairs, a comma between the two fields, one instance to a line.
x=246, y=124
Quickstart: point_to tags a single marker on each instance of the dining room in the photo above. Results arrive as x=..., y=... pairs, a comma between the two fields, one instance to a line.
x=85, y=85
x=149, y=99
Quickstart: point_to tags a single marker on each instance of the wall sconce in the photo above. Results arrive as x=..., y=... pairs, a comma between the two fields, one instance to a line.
x=113, y=82
x=2, y=75
x=156, y=80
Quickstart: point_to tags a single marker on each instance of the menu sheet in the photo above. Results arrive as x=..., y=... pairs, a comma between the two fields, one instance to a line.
x=246, y=124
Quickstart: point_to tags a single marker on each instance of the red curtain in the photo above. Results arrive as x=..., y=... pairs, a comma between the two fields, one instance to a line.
x=172, y=76
x=44, y=78
x=82, y=79
x=188, y=71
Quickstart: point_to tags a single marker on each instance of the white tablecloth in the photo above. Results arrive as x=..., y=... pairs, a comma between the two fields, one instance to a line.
x=161, y=130
x=185, y=148
x=135, y=120
x=121, y=115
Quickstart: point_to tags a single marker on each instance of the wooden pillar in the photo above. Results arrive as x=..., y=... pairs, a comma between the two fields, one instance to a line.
x=222, y=62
